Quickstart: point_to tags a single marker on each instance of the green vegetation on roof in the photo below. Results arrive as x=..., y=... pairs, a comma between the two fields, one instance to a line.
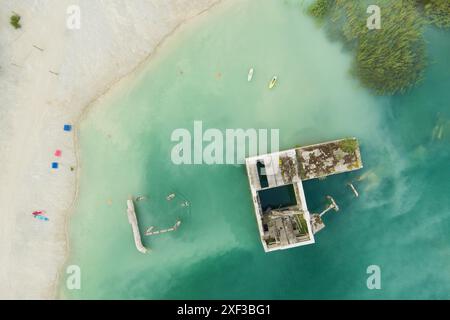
x=349, y=145
x=302, y=225
x=15, y=21
x=288, y=168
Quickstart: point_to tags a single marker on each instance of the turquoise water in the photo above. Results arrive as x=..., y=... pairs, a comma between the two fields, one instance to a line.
x=400, y=221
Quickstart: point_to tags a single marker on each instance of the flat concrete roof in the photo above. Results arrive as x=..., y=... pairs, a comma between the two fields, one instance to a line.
x=291, y=167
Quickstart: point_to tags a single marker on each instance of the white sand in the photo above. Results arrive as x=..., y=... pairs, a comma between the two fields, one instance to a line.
x=115, y=36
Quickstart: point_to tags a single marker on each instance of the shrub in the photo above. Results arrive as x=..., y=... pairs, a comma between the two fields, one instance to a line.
x=348, y=145
x=15, y=21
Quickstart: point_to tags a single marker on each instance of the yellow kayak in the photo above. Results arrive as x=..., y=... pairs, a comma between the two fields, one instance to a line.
x=273, y=82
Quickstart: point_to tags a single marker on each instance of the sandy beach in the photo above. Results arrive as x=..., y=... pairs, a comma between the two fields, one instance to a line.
x=48, y=76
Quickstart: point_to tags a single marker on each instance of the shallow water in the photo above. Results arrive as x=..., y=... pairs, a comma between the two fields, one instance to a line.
x=400, y=221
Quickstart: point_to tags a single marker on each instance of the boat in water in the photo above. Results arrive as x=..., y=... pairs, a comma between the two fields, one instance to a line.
x=250, y=75
x=273, y=82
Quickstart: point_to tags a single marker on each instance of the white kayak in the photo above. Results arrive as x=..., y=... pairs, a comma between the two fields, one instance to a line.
x=250, y=75
x=273, y=82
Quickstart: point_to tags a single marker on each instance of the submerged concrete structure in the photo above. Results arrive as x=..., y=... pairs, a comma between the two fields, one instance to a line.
x=132, y=219
x=275, y=179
